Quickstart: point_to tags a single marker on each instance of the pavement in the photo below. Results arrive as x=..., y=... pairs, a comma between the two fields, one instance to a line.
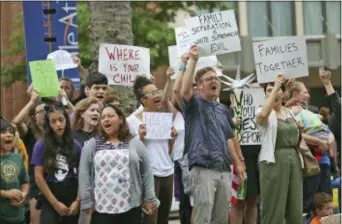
x=174, y=222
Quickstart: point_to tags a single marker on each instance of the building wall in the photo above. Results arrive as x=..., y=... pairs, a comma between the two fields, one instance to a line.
x=13, y=97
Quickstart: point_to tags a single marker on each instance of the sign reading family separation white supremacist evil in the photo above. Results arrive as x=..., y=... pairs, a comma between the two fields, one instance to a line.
x=285, y=55
x=182, y=39
x=158, y=125
x=214, y=33
x=122, y=63
x=247, y=103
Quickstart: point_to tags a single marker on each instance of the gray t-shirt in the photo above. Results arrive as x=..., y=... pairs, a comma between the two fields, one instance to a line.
x=207, y=129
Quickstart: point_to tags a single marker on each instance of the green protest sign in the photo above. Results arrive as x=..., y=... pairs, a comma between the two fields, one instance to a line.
x=44, y=78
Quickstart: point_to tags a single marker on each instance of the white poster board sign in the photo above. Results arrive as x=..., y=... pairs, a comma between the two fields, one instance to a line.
x=287, y=55
x=248, y=102
x=158, y=125
x=122, y=63
x=174, y=59
x=63, y=60
x=182, y=39
x=214, y=33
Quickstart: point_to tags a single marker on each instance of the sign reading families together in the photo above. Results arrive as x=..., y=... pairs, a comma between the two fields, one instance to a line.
x=122, y=63
x=248, y=102
x=285, y=55
x=214, y=33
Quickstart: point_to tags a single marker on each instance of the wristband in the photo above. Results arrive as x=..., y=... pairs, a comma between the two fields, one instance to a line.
x=182, y=68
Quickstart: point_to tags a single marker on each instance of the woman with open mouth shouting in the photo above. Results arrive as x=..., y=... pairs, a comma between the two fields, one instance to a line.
x=156, y=100
x=86, y=120
x=115, y=177
x=56, y=159
x=13, y=179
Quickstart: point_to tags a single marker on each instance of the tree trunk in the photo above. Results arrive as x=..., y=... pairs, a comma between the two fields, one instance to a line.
x=111, y=22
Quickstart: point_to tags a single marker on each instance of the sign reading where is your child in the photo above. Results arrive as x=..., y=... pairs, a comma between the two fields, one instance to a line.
x=287, y=55
x=122, y=63
x=215, y=33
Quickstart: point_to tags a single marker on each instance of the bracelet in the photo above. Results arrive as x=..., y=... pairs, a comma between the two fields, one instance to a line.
x=182, y=68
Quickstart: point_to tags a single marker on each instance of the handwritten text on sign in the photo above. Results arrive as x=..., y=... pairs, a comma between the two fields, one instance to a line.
x=285, y=55
x=183, y=40
x=214, y=33
x=44, y=77
x=122, y=63
x=158, y=125
x=247, y=103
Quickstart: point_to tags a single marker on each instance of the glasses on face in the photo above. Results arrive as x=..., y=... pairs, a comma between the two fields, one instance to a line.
x=210, y=79
x=154, y=93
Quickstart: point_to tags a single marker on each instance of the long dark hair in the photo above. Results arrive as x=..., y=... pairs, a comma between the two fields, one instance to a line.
x=52, y=144
x=124, y=133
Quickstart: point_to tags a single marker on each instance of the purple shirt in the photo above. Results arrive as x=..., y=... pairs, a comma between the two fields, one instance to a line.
x=63, y=171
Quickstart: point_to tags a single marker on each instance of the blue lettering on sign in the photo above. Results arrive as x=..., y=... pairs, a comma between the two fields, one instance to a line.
x=51, y=26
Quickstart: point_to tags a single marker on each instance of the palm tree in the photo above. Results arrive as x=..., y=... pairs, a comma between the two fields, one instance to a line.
x=111, y=22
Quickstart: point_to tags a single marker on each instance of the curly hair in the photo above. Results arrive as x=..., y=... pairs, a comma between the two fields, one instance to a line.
x=52, y=144
x=321, y=199
x=139, y=83
x=81, y=107
x=124, y=133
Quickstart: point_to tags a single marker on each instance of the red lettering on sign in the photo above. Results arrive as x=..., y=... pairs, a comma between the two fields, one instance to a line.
x=123, y=78
x=122, y=54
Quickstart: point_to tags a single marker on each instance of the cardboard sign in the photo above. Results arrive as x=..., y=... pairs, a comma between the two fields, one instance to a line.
x=287, y=55
x=248, y=102
x=62, y=59
x=158, y=125
x=122, y=63
x=182, y=39
x=44, y=78
x=214, y=33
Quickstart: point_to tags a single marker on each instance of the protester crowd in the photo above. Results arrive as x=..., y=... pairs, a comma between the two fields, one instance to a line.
x=88, y=162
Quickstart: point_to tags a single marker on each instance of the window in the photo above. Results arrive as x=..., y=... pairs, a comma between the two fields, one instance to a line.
x=270, y=18
x=322, y=17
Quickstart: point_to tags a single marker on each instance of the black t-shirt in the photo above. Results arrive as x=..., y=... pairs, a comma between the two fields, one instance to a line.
x=29, y=141
x=82, y=136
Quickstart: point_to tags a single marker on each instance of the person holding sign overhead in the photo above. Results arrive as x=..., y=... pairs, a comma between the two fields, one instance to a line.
x=280, y=167
x=209, y=140
x=153, y=100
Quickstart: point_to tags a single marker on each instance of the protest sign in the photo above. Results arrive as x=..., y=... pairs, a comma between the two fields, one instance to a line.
x=287, y=55
x=331, y=219
x=122, y=63
x=182, y=39
x=247, y=103
x=214, y=33
x=62, y=59
x=158, y=125
x=174, y=59
x=44, y=78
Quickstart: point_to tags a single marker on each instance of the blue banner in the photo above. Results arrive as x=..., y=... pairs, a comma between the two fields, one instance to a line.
x=51, y=26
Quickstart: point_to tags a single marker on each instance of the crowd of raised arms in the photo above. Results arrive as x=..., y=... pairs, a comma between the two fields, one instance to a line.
x=88, y=162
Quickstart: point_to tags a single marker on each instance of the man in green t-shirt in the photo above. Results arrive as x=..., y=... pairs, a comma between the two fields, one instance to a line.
x=14, y=180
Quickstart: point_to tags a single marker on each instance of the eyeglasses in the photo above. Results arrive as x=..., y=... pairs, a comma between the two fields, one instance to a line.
x=154, y=93
x=212, y=78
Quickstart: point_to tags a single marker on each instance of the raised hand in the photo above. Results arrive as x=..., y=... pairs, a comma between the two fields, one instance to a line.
x=280, y=80
x=194, y=54
x=76, y=60
x=170, y=72
x=325, y=76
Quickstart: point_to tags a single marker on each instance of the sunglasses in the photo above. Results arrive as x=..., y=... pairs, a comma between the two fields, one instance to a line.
x=154, y=93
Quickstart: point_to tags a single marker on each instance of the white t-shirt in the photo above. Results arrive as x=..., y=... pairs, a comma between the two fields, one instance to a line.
x=178, y=146
x=158, y=150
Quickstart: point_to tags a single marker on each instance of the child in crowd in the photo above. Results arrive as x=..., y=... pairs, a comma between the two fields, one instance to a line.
x=14, y=180
x=312, y=123
x=323, y=207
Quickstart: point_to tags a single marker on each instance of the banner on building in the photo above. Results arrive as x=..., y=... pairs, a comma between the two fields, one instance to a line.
x=51, y=26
